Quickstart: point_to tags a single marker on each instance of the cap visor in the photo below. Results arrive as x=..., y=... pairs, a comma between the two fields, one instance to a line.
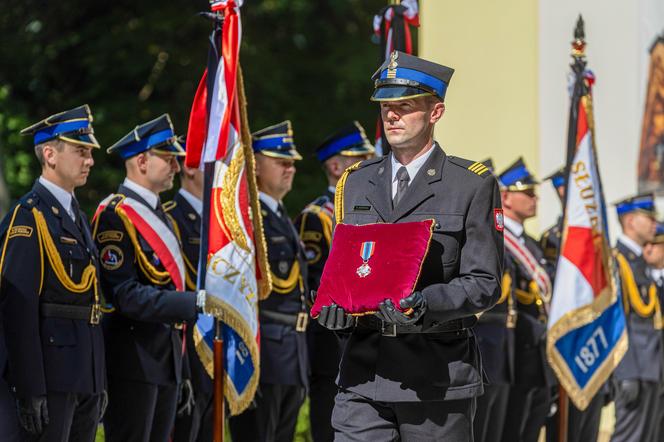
x=358, y=151
x=87, y=140
x=288, y=155
x=394, y=93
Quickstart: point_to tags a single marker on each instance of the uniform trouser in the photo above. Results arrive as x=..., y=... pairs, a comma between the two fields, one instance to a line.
x=197, y=427
x=638, y=423
x=491, y=410
x=71, y=417
x=9, y=426
x=359, y=419
x=582, y=426
x=527, y=409
x=274, y=416
x=139, y=412
x=322, y=390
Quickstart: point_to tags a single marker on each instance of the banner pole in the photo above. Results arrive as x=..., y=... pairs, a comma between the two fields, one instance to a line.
x=218, y=384
x=563, y=414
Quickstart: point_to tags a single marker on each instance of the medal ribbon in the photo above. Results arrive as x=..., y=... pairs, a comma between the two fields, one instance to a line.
x=368, y=248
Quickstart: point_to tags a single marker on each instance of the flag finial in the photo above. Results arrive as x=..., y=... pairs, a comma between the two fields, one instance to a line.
x=579, y=43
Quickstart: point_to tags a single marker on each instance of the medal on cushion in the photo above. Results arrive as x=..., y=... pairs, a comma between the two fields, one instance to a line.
x=367, y=251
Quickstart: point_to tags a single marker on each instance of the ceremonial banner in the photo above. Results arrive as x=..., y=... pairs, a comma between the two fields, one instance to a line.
x=233, y=271
x=587, y=336
x=392, y=33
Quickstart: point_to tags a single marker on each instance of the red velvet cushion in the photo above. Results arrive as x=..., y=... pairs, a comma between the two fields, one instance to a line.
x=398, y=253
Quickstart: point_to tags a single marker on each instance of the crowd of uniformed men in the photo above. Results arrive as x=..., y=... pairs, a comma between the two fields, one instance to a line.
x=97, y=328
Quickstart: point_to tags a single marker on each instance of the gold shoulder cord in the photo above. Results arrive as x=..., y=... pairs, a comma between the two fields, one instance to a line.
x=155, y=276
x=89, y=275
x=285, y=286
x=652, y=308
x=339, y=193
x=533, y=295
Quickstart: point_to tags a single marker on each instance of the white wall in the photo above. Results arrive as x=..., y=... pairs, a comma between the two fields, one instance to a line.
x=618, y=36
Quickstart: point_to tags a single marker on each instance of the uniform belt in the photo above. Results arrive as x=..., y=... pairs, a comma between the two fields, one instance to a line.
x=455, y=326
x=298, y=321
x=90, y=313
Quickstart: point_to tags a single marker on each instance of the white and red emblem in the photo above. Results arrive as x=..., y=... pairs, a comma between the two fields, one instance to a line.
x=499, y=219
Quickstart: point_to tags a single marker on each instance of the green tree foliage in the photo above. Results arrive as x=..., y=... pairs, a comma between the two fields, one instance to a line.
x=304, y=60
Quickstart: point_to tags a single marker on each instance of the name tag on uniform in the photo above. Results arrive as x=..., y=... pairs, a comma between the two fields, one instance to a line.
x=195, y=241
x=362, y=208
x=278, y=239
x=67, y=240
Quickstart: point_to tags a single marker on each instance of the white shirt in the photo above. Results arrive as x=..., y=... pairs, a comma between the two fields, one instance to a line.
x=514, y=226
x=60, y=194
x=657, y=275
x=149, y=196
x=412, y=168
x=192, y=200
x=332, y=189
x=631, y=245
x=270, y=202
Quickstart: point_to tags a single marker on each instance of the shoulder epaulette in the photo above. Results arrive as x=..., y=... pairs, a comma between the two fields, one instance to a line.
x=473, y=166
x=29, y=200
x=113, y=203
x=169, y=205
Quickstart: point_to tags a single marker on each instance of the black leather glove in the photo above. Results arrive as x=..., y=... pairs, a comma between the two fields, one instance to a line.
x=185, y=398
x=389, y=314
x=334, y=317
x=103, y=404
x=33, y=414
x=628, y=392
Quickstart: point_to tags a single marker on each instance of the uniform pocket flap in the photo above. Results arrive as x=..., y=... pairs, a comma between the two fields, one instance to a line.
x=58, y=332
x=448, y=223
x=272, y=331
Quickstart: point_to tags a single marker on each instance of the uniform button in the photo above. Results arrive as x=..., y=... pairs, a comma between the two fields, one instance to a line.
x=437, y=226
x=435, y=323
x=131, y=327
x=51, y=339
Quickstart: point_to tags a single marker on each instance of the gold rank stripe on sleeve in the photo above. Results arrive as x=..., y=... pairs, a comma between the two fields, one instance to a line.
x=478, y=168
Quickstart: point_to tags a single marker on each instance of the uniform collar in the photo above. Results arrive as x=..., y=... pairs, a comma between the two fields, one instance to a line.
x=149, y=196
x=630, y=244
x=270, y=202
x=195, y=203
x=414, y=165
x=514, y=226
x=60, y=194
x=332, y=189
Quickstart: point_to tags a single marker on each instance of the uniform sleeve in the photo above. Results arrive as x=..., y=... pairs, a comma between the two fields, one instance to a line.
x=316, y=246
x=122, y=286
x=477, y=287
x=22, y=275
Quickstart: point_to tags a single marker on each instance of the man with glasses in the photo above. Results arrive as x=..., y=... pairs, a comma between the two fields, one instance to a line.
x=143, y=277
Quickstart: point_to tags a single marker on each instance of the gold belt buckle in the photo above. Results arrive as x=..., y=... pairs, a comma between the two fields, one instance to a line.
x=95, y=314
x=302, y=321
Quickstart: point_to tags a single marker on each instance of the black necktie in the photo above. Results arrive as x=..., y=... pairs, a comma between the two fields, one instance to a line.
x=402, y=185
x=77, y=212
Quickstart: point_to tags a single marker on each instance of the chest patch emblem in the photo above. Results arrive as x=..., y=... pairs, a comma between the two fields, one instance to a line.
x=111, y=257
